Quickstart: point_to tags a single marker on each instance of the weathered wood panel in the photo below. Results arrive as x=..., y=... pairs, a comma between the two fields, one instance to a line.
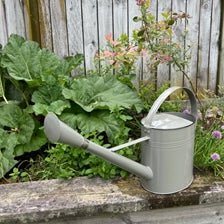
x=79, y=26
x=45, y=24
x=204, y=40
x=59, y=27
x=192, y=38
x=147, y=73
x=133, y=10
x=163, y=71
x=214, y=45
x=74, y=26
x=14, y=17
x=177, y=78
x=3, y=24
x=104, y=20
x=221, y=57
x=120, y=18
x=89, y=10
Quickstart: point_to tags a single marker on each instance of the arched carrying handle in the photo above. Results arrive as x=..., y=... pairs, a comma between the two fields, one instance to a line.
x=162, y=98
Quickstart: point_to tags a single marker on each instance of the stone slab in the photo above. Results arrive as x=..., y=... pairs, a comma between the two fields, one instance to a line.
x=198, y=214
x=80, y=197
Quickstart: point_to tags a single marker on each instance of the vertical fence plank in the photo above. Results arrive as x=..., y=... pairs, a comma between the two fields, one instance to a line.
x=105, y=25
x=176, y=77
x=3, y=24
x=147, y=73
x=15, y=17
x=163, y=71
x=133, y=10
x=90, y=32
x=221, y=56
x=120, y=14
x=105, y=20
x=45, y=24
x=192, y=38
x=31, y=20
x=74, y=24
x=204, y=39
x=59, y=27
x=214, y=45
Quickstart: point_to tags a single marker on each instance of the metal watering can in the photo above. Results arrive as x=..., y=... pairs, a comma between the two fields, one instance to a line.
x=166, y=150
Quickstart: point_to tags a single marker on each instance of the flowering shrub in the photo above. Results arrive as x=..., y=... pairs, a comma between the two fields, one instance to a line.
x=209, y=142
x=153, y=40
x=119, y=55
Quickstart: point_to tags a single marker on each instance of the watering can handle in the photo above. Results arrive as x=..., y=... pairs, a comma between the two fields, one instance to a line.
x=163, y=97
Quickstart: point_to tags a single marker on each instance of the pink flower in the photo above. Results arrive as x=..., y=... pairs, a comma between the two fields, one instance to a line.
x=140, y=2
x=166, y=58
x=108, y=54
x=215, y=156
x=133, y=49
x=217, y=134
x=109, y=38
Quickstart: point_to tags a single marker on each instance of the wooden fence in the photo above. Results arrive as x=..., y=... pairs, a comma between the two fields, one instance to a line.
x=68, y=27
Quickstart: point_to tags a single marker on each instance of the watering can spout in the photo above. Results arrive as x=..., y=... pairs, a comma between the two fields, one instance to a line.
x=58, y=131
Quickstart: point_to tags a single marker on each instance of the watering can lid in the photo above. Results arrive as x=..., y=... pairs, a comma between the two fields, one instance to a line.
x=169, y=121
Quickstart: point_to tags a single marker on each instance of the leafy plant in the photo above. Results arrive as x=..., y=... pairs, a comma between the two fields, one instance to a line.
x=30, y=78
x=95, y=92
x=43, y=83
x=154, y=41
x=209, y=153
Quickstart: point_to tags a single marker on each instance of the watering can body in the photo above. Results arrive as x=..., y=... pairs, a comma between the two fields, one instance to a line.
x=170, y=150
x=166, y=149
x=169, y=153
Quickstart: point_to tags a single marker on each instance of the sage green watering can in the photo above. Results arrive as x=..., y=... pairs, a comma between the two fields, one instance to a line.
x=167, y=146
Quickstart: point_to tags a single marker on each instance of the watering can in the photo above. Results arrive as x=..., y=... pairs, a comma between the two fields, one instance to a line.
x=167, y=146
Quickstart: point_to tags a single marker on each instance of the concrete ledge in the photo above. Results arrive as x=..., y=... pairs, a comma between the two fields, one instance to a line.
x=48, y=200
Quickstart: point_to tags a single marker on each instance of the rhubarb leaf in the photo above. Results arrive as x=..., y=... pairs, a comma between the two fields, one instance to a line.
x=49, y=99
x=94, y=92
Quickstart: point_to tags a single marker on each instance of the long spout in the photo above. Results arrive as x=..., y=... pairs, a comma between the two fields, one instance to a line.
x=58, y=131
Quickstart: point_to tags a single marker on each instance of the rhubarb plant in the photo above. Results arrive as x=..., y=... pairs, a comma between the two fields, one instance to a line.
x=35, y=81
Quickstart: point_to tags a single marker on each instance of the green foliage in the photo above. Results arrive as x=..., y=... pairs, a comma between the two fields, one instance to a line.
x=95, y=92
x=209, y=144
x=149, y=94
x=42, y=83
x=66, y=162
x=154, y=41
x=49, y=99
x=16, y=129
x=36, y=76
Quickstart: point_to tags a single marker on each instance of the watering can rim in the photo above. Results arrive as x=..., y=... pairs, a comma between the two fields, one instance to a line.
x=147, y=121
x=189, y=117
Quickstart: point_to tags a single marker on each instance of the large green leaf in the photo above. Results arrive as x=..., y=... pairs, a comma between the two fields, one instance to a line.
x=37, y=140
x=99, y=120
x=7, y=162
x=105, y=92
x=17, y=135
x=7, y=143
x=25, y=60
x=21, y=58
x=16, y=122
x=49, y=99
